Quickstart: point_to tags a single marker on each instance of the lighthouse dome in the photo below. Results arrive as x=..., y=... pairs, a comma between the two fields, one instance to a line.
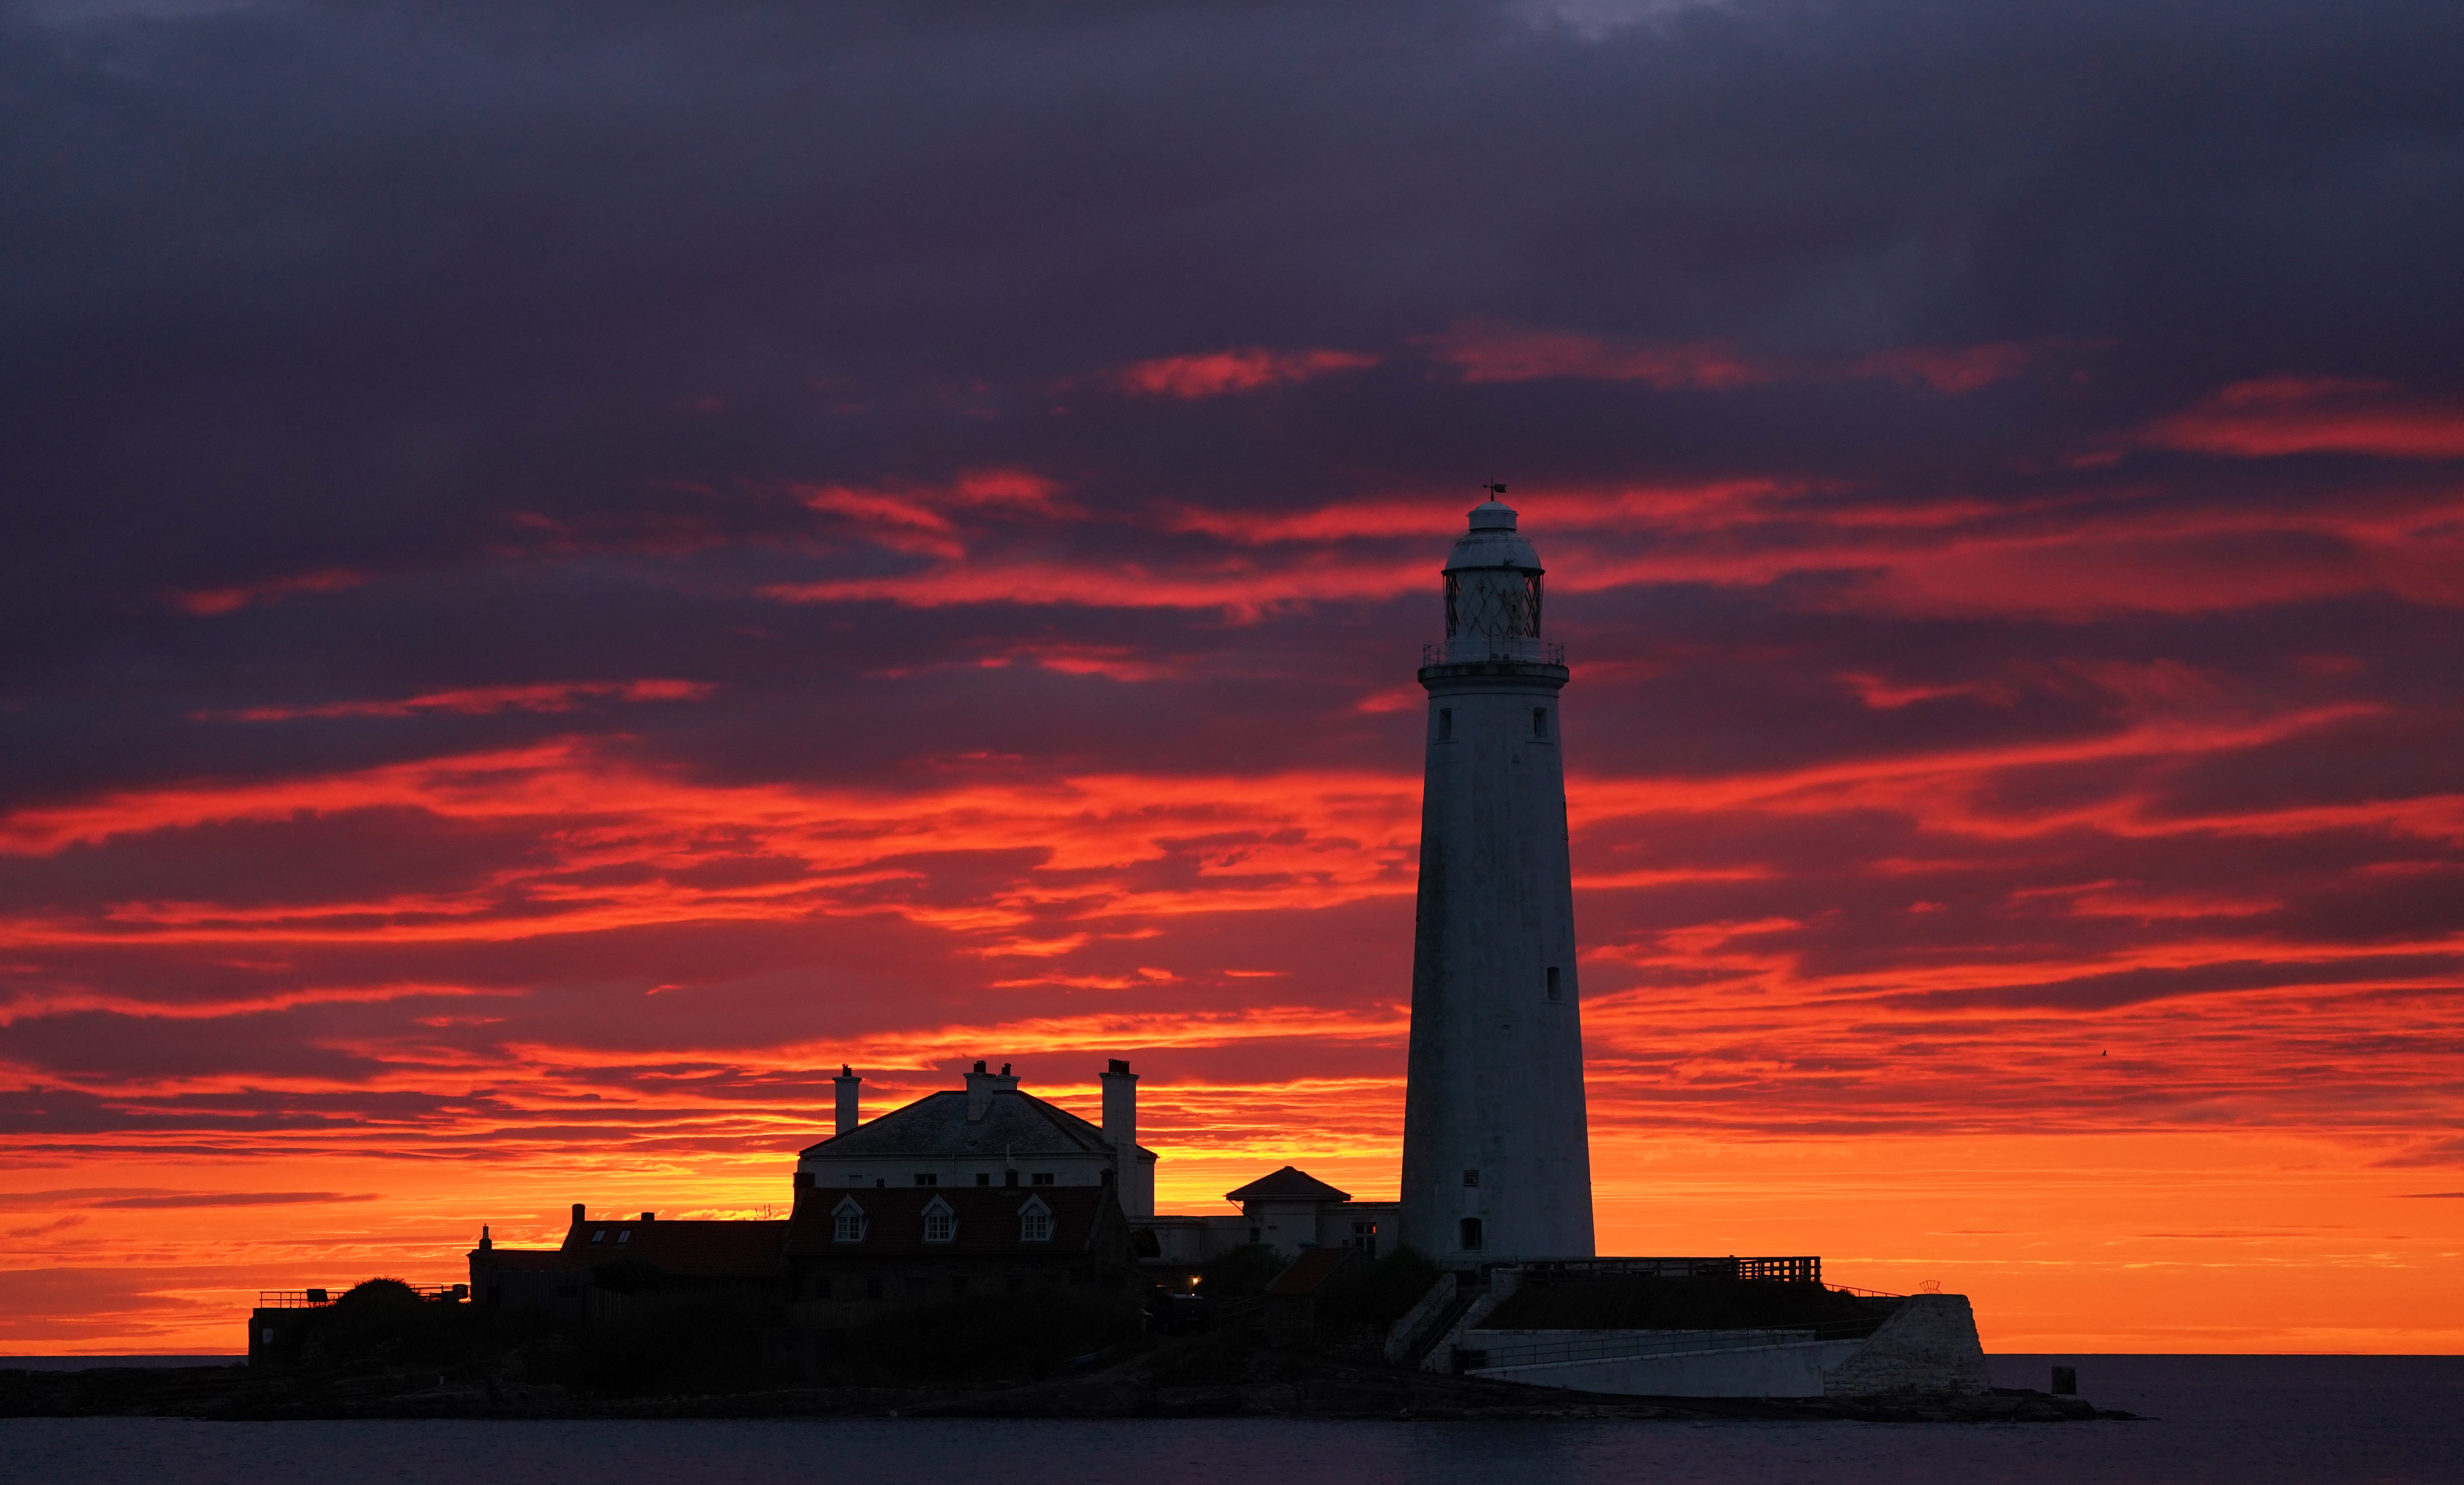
x=1492, y=543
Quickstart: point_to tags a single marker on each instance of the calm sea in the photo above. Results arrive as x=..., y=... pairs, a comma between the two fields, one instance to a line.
x=2233, y=1420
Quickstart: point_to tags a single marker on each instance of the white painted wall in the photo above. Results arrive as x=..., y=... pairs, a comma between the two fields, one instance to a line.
x=1496, y=1066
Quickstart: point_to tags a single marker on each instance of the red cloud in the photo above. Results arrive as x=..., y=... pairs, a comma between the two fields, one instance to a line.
x=926, y=517
x=1239, y=369
x=1949, y=368
x=205, y=601
x=1484, y=350
x=1487, y=350
x=2292, y=415
x=480, y=700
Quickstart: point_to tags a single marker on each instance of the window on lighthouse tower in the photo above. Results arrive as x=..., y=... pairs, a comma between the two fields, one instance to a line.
x=1445, y=724
x=1540, y=723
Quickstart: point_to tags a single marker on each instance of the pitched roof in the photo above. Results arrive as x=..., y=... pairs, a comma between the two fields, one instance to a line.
x=524, y=1258
x=1312, y=1268
x=988, y=1220
x=1291, y=1183
x=704, y=1249
x=936, y=1127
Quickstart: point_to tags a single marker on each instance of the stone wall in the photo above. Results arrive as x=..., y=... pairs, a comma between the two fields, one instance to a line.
x=1928, y=1346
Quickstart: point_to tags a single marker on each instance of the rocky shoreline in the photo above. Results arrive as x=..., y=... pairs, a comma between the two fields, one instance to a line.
x=1292, y=1387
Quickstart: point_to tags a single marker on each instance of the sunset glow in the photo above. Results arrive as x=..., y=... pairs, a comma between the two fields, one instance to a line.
x=520, y=671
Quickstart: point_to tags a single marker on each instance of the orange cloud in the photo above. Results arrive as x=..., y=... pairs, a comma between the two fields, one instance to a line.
x=1239, y=369
x=2274, y=416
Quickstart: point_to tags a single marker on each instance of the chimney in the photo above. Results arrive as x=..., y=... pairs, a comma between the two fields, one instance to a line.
x=981, y=1088
x=649, y=1217
x=486, y=1242
x=1134, y=1179
x=847, y=1082
x=577, y=1213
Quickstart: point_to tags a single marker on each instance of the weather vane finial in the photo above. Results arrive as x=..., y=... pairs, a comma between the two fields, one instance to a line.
x=1494, y=487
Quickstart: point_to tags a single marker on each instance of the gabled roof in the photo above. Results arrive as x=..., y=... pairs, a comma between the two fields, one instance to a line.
x=987, y=1220
x=704, y=1249
x=936, y=1127
x=1289, y=1184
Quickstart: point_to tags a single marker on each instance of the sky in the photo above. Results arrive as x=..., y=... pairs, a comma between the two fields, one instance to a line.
x=570, y=569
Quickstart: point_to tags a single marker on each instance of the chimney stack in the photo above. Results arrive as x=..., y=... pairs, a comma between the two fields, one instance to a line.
x=649, y=1217
x=486, y=1242
x=577, y=1213
x=1134, y=1179
x=847, y=1082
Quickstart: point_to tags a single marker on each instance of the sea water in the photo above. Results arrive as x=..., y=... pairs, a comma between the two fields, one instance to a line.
x=2233, y=1420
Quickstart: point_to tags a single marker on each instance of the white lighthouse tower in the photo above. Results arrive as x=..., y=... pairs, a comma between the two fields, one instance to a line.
x=1497, y=1161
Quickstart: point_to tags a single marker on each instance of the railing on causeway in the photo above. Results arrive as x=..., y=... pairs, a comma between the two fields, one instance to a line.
x=1566, y=1271
x=1633, y=1346
x=313, y=1298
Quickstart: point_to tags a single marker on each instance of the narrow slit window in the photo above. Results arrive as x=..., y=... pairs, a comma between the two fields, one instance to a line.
x=1540, y=723
x=1445, y=724
x=1554, y=994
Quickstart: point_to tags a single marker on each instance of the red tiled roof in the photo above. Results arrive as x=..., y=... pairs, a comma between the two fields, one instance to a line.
x=987, y=1220
x=1312, y=1268
x=703, y=1248
x=1288, y=1182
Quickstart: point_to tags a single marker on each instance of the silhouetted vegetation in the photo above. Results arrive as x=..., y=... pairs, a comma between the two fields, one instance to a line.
x=385, y=1320
x=1686, y=1305
x=1242, y=1273
x=1376, y=1294
x=1009, y=1337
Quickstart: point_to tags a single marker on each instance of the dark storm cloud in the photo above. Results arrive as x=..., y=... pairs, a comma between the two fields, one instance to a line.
x=304, y=290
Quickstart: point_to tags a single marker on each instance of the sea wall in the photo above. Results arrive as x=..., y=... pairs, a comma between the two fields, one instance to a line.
x=1929, y=1345
x=1698, y=1364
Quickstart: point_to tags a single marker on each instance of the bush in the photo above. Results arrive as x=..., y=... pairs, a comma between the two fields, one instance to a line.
x=384, y=1319
x=678, y=1342
x=1009, y=1337
x=1376, y=1294
x=1241, y=1273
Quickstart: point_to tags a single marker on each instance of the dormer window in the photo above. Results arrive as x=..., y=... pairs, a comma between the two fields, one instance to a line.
x=940, y=1223
x=1034, y=1222
x=847, y=1225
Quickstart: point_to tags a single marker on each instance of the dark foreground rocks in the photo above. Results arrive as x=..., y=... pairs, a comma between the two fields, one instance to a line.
x=1151, y=1385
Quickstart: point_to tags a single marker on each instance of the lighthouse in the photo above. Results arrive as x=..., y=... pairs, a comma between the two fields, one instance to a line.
x=1496, y=1151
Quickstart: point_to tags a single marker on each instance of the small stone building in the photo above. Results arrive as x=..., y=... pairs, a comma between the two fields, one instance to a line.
x=1288, y=1210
